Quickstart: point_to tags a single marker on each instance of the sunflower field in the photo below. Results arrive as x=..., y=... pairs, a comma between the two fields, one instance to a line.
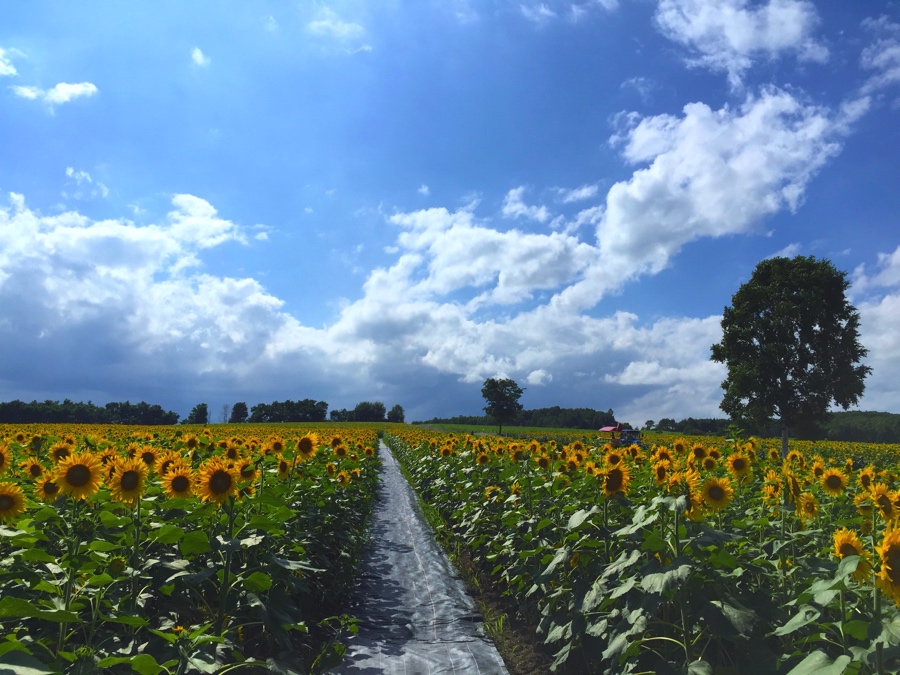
x=163, y=550
x=689, y=556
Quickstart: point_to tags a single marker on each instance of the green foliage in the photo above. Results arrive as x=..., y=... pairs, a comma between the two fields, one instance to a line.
x=396, y=414
x=199, y=415
x=502, y=396
x=70, y=412
x=307, y=410
x=239, y=413
x=791, y=343
x=369, y=411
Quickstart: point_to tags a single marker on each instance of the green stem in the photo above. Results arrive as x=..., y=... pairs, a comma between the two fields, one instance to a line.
x=226, y=571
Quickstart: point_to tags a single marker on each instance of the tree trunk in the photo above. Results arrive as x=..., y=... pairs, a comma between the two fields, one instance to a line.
x=784, y=440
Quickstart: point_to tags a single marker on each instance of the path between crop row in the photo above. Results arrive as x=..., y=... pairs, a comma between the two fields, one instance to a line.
x=415, y=614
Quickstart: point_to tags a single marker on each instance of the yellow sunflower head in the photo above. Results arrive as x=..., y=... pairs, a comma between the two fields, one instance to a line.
x=717, y=493
x=483, y=458
x=5, y=458
x=12, y=502
x=738, y=465
x=343, y=478
x=179, y=481
x=807, y=507
x=847, y=543
x=47, y=489
x=32, y=468
x=59, y=451
x=833, y=481
x=127, y=479
x=306, y=446
x=615, y=480
x=888, y=577
x=216, y=482
x=79, y=475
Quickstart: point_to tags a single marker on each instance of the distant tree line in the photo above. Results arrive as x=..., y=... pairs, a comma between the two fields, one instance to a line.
x=369, y=411
x=854, y=426
x=554, y=417
x=70, y=412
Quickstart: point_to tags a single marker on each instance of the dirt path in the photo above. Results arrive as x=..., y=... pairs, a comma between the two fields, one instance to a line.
x=415, y=615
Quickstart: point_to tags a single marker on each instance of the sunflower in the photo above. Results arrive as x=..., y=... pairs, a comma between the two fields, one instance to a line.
x=446, y=451
x=774, y=454
x=709, y=463
x=343, y=478
x=370, y=451
x=866, y=477
x=613, y=458
x=12, y=502
x=166, y=460
x=698, y=451
x=247, y=470
x=47, y=490
x=191, y=442
x=232, y=452
x=330, y=469
x=739, y=466
x=179, y=480
x=818, y=468
x=483, y=459
x=590, y=468
x=863, y=503
x=306, y=446
x=32, y=468
x=807, y=507
x=335, y=441
x=107, y=455
x=516, y=453
x=847, y=543
x=615, y=480
x=717, y=493
x=59, y=451
x=772, y=486
x=833, y=481
x=340, y=451
x=543, y=461
x=215, y=481
x=5, y=458
x=20, y=437
x=679, y=446
x=79, y=475
x=663, y=455
x=126, y=482
x=284, y=467
x=149, y=456
x=888, y=577
x=884, y=502
x=661, y=472
x=796, y=457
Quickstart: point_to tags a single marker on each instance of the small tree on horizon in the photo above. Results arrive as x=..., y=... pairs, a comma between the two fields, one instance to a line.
x=396, y=414
x=198, y=415
x=239, y=413
x=502, y=396
x=790, y=341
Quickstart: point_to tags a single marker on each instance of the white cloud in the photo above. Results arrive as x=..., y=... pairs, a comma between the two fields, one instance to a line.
x=423, y=190
x=270, y=24
x=708, y=173
x=537, y=13
x=85, y=186
x=514, y=207
x=788, y=251
x=642, y=85
x=883, y=55
x=329, y=24
x=199, y=58
x=728, y=35
x=7, y=69
x=61, y=93
x=588, y=191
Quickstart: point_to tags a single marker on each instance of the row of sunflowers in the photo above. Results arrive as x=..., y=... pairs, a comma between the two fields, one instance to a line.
x=690, y=555
x=175, y=550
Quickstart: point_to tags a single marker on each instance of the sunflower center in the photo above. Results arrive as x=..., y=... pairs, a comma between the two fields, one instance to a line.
x=50, y=488
x=130, y=480
x=34, y=470
x=78, y=475
x=614, y=480
x=715, y=493
x=247, y=471
x=220, y=482
x=848, y=549
x=834, y=482
x=893, y=563
x=884, y=503
x=180, y=483
x=739, y=465
x=6, y=503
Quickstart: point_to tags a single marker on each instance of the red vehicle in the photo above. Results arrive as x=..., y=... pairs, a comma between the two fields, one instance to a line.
x=619, y=437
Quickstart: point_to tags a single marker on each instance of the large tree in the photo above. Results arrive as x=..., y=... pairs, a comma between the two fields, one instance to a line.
x=791, y=343
x=502, y=398
x=198, y=415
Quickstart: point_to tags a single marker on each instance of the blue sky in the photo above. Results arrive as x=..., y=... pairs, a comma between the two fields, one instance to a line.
x=395, y=200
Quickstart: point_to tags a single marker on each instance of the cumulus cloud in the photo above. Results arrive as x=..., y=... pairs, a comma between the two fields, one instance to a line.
x=423, y=190
x=7, y=69
x=83, y=185
x=728, y=35
x=515, y=207
x=328, y=23
x=883, y=55
x=537, y=13
x=61, y=93
x=578, y=194
x=706, y=173
x=199, y=58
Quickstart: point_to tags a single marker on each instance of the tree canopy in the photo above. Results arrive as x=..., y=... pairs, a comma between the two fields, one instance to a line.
x=502, y=396
x=790, y=341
